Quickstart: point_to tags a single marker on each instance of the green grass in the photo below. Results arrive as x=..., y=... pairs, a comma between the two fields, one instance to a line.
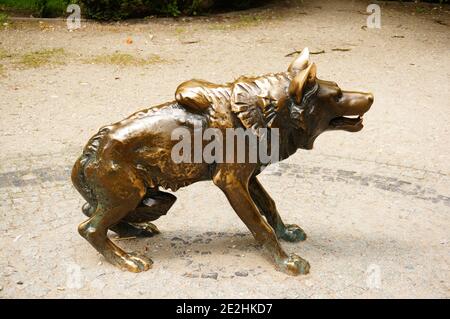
x=420, y=9
x=4, y=54
x=249, y=20
x=125, y=59
x=44, y=8
x=180, y=30
x=20, y=4
x=3, y=18
x=58, y=56
x=44, y=57
x=244, y=21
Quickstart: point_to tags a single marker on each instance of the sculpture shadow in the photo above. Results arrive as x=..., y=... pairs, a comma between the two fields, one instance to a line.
x=172, y=244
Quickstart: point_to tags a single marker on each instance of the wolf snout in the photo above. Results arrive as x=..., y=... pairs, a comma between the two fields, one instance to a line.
x=369, y=102
x=369, y=99
x=356, y=103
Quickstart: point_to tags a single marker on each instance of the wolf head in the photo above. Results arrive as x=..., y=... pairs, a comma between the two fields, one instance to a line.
x=317, y=106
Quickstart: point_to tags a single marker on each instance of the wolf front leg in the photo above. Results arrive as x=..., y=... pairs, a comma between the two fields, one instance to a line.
x=233, y=181
x=266, y=205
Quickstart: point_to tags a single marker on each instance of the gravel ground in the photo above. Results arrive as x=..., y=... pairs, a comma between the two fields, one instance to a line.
x=375, y=204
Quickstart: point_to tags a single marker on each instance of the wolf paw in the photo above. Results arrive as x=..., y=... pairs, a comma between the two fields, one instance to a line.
x=147, y=229
x=134, y=263
x=294, y=265
x=292, y=233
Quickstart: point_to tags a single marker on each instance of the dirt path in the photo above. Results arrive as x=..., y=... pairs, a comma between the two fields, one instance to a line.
x=379, y=218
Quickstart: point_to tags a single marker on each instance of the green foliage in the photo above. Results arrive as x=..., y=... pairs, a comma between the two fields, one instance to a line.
x=115, y=9
x=52, y=8
x=121, y=9
x=170, y=8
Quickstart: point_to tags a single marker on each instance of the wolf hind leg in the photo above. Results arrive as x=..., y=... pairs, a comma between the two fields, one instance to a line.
x=138, y=222
x=113, y=205
x=124, y=229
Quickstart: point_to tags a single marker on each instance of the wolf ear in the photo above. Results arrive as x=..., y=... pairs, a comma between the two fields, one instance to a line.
x=312, y=73
x=299, y=82
x=300, y=63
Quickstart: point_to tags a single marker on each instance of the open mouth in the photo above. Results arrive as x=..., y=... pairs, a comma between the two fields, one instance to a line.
x=352, y=123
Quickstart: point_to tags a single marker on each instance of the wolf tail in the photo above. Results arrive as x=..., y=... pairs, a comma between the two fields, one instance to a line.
x=79, y=171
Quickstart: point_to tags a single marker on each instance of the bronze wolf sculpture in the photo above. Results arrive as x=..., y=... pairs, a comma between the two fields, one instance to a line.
x=124, y=165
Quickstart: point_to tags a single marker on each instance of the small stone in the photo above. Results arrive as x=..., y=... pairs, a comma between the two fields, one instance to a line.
x=19, y=282
x=211, y=275
x=241, y=273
